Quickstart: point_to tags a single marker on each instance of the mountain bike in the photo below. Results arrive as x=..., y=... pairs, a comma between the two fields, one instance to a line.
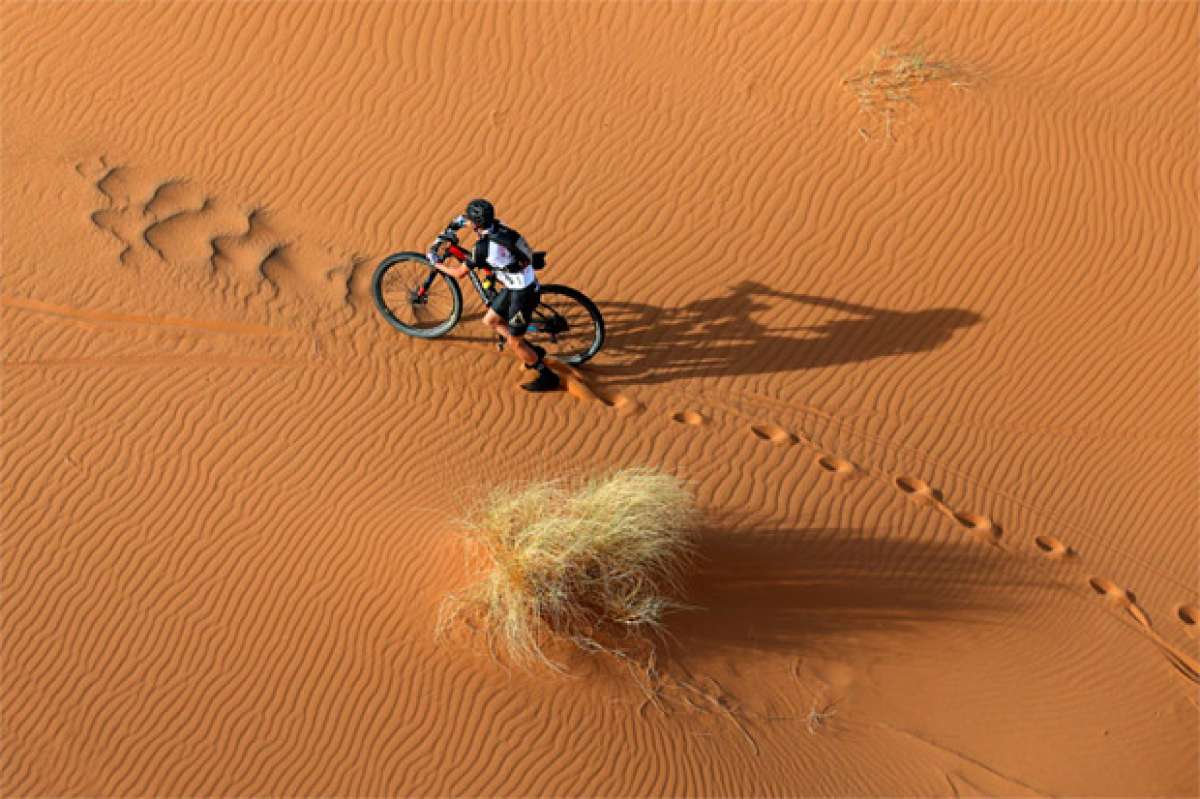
x=418, y=300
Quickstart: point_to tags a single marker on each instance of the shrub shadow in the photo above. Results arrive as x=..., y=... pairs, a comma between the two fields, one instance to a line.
x=797, y=589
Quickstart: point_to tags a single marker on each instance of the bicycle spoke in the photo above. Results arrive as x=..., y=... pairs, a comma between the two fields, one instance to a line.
x=563, y=327
x=414, y=301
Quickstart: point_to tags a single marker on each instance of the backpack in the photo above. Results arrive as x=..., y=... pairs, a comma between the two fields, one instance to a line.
x=508, y=238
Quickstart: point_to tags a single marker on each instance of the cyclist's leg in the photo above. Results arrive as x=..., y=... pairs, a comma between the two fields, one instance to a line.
x=508, y=315
x=496, y=319
x=525, y=351
x=496, y=322
x=520, y=310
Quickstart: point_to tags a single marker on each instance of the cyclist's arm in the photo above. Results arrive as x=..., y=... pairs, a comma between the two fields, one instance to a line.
x=455, y=270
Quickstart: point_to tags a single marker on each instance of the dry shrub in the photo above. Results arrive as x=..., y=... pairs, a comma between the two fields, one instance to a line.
x=887, y=86
x=595, y=562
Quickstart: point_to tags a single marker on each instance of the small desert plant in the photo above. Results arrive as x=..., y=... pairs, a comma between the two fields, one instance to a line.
x=594, y=562
x=886, y=86
x=817, y=718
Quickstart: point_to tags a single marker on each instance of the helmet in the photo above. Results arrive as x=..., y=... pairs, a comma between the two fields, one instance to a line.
x=481, y=213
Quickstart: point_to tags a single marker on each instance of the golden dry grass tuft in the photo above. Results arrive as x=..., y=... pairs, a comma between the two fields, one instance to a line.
x=888, y=85
x=594, y=562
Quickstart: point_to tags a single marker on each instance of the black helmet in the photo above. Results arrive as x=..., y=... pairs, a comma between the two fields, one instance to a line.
x=481, y=213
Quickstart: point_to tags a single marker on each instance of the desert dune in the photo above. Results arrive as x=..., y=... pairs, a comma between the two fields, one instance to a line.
x=906, y=293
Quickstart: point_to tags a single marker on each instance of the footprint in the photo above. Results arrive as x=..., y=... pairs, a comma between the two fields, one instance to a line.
x=839, y=468
x=173, y=196
x=126, y=186
x=576, y=385
x=922, y=494
x=259, y=255
x=773, y=434
x=191, y=235
x=124, y=225
x=980, y=525
x=693, y=418
x=917, y=490
x=93, y=169
x=1052, y=548
x=1122, y=598
x=579, y=388
x=1119, y=597
x=623, y=405
x=244, y=253
x=173, y=221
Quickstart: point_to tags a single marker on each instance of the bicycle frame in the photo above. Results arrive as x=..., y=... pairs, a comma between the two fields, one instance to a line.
x=464, y=257
x=547, y=326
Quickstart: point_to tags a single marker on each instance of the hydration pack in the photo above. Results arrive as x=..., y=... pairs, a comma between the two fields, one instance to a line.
x=507, y=238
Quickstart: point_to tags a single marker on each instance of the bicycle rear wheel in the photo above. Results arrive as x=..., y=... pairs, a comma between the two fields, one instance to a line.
x=567, y=324
x=414, y=298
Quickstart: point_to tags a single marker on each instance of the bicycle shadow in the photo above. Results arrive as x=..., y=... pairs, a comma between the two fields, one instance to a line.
x=721, y=336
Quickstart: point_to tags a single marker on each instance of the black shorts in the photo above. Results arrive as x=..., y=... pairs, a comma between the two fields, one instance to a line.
x=516, y=306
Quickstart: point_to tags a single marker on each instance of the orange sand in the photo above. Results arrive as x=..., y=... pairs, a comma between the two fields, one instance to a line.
x=934, y=382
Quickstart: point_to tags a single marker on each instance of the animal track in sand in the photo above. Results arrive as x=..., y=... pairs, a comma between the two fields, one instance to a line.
x=918, y=491
x=987, y=531
x=1122, y=598
x=1119, y=597
x=1052, y=548
x=924, y=495
x=838, y=468
x=693, y=418
x=774, y=434
x=979, y=525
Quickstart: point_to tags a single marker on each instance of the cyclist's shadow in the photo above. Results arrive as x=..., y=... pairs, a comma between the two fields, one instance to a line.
x=721, y=336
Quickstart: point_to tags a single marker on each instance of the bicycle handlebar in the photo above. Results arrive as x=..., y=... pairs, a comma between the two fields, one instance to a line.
x=448, y=236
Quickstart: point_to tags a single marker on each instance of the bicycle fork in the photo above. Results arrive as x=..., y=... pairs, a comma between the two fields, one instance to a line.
x=423, y=289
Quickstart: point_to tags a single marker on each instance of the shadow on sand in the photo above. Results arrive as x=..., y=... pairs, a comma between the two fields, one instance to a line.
x=793, y=591
x=720, y=336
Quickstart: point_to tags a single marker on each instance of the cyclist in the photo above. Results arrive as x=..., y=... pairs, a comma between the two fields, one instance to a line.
x=510, y=258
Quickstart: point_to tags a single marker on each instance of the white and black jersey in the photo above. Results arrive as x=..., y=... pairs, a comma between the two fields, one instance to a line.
x=507, y=254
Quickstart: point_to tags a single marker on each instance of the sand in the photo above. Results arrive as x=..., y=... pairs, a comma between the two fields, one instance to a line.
x=930, y=368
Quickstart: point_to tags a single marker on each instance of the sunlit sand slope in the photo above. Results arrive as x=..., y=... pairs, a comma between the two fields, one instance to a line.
x=907, y=293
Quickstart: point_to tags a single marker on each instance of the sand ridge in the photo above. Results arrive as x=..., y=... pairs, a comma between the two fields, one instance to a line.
x=934, y=389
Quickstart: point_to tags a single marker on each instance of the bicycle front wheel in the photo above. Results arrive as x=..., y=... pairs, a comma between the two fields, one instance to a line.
x=567, y=324
x=414, y=298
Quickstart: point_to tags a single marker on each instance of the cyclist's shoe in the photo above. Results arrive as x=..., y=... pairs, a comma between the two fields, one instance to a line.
x=545, y=381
